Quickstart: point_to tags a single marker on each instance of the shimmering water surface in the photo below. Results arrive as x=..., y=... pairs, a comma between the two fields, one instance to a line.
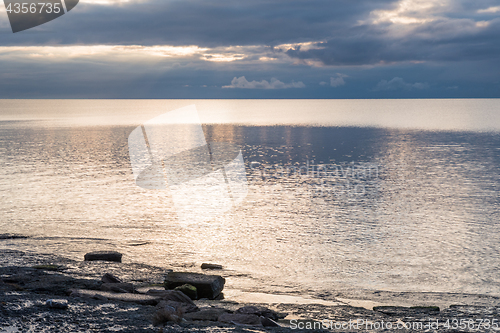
x=398, y=195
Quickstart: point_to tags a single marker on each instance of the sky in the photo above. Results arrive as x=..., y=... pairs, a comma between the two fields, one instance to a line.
x=257, y=49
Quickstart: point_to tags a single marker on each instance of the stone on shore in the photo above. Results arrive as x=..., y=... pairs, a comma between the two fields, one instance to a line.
x=124, y=297
x=179, y=307
x=118, y=287
x=210, y=314
x=110, y=278
x=171, y=295
x=57, y=303
x=165, y=313
x=259, y=311
x=240, y=319
x=189, y=290
x=208, y=286
x=104, y=256
x=210, y=266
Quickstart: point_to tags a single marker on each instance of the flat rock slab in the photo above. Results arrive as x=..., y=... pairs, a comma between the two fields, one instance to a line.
x=132, y=298
x=104, y=256
x=404, y=311
x=208, y=286
x=118, y=287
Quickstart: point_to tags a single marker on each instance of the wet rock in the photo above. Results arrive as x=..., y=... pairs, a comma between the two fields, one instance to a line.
x=124, y=297
x=208, y=286
x=104, y=256
x=189, y=290
x=118, y=287
x=110, y=278
x=47, y=267
x=240, y=319
x=57, y=303
x=210, y=266
x=260, y=311
x=211, y=314
x=171, y=295
x=266, y=322
x=165, y=314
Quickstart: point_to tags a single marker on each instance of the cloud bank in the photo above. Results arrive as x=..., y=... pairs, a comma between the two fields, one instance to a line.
x=243, y=83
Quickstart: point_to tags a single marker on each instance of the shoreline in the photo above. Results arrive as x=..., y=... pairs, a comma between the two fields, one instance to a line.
x=22, y=304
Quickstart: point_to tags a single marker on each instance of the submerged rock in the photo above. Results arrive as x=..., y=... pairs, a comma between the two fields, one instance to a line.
x=104, y=256
x=12, y=236
x=208, y=286
x=189, y=290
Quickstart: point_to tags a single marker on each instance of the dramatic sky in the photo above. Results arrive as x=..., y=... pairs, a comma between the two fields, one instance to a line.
x=257, y=49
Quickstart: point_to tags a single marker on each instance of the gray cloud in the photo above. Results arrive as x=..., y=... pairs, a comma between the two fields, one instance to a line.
x=243, y=83
x=337, y=81
x=398, y=83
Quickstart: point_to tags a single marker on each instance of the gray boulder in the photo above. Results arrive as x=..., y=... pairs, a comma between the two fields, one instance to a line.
x=208, y=286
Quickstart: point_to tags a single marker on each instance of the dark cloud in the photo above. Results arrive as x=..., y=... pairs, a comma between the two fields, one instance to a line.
x=441, y=40
x=199, y=22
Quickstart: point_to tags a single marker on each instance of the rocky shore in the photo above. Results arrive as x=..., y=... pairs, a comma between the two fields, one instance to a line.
x=48, y=293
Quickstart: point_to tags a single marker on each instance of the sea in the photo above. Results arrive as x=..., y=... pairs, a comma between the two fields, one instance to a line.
x=340, y=196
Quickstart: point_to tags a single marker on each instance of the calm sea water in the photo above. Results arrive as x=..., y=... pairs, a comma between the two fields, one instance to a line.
x=398, y=195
